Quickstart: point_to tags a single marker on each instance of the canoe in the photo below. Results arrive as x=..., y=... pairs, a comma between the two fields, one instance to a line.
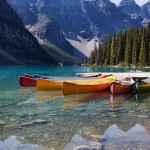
x=87, y=75
x=46, y=84
x=77, y=88
x=87, y=87
x=41, y=76
x=144, y=85
x=96, y=75
x=123, y=86
x=27, y=81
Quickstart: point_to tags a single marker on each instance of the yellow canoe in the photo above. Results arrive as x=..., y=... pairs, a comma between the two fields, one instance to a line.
x=46, y=84
x=144, y=87
x=87, y=87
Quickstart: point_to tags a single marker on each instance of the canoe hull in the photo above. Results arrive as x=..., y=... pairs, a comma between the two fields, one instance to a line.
x=144, y=87
x=27, y=81
x=73, y=88
x=117, y=88
x=43, y=84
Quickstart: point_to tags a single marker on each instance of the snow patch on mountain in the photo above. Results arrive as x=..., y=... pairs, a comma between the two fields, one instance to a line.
x=84, y=45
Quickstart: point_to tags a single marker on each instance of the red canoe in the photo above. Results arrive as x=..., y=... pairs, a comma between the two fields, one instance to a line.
x=123, y=86
x=27, y=81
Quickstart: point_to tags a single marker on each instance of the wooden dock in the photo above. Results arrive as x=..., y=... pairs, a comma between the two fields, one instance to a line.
x=119, y=75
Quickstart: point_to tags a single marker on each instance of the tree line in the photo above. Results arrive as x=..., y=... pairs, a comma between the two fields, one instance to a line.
x=130, y=47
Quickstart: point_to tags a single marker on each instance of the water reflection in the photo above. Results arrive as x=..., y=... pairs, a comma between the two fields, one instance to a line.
x=116, y=100
x=29, y=100
x=74, y=100
x=45, y=95
x=77, y=99
x=24, y=91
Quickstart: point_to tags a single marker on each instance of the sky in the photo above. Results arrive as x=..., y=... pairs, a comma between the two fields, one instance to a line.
x=139, y=2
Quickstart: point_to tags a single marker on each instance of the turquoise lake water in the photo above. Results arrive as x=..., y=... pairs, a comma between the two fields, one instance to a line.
x=57, y=122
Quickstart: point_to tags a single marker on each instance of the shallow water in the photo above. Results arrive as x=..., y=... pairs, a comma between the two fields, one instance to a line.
x=49, y=119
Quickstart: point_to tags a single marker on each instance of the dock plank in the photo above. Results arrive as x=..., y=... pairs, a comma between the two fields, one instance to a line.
x=119, y=75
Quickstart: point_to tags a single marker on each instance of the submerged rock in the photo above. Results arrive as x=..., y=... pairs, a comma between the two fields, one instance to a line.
x=135, y=138
x=114, y=139
x=35, y=122
x=78, y=143
x=11, y=143
x=2, y=122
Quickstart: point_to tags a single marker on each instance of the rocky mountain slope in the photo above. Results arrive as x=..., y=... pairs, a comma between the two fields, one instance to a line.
x=135, y=11
x=18, y=45
x=44, y=25
x=146, y=12
x=81, y=22
x=130, y=7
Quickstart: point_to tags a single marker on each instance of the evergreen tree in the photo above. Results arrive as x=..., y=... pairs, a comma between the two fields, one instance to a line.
x=107, y=60
x=104, y=48
x=135, y=47
x=118, y=47
x=113, y=52
x=92, y=58
x=147, y=45
x=142, y=49
x=128, y=48
x=96, y=56
x=100, y=50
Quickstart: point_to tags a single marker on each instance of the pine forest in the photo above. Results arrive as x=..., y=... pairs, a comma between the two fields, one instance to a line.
x=126, y=48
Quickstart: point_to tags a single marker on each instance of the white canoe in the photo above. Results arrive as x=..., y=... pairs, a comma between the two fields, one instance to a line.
x=86, y=75
x=120, y=75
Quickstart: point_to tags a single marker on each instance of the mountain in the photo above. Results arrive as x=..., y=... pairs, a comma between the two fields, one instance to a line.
x=43, y=24
x=130, y=7
x=146, y=12
x=49, y=30
x=18, y=45
x=146, y=9
x=81, y=22
x=135, y=11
